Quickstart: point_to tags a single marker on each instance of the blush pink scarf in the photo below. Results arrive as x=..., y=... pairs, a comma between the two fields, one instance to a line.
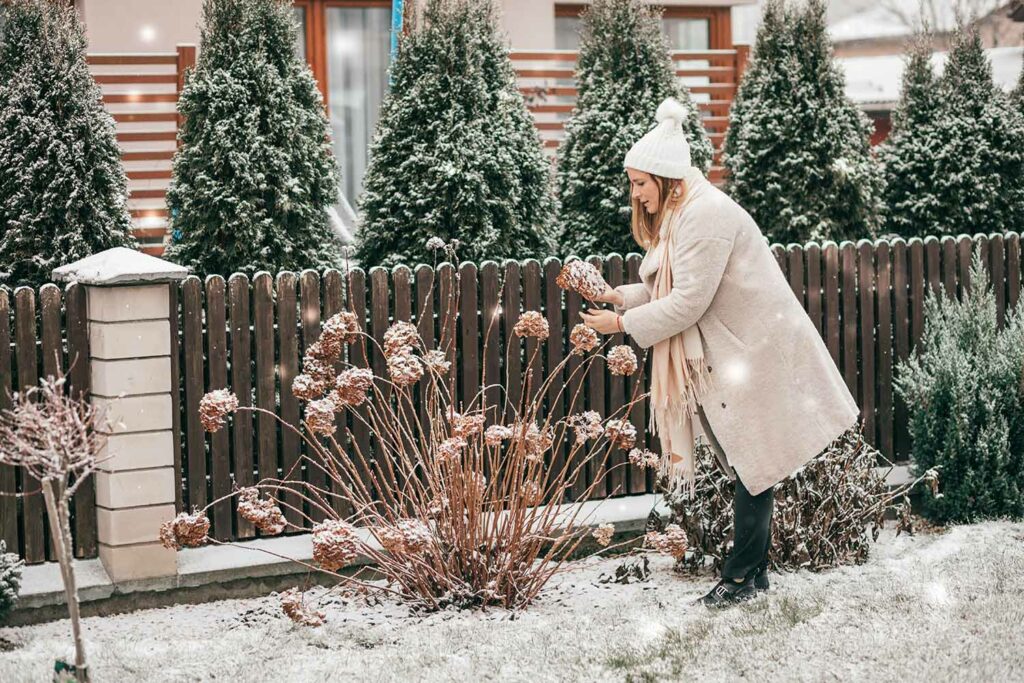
x=679, y=373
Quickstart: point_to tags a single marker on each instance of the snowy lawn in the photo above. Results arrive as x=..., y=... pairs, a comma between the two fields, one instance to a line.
x=942, y=606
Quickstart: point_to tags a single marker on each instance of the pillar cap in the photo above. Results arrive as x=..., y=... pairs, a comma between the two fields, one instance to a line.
x=120, y=266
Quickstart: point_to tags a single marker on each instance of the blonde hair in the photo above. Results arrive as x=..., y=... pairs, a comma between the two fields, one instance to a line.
x=645, y=226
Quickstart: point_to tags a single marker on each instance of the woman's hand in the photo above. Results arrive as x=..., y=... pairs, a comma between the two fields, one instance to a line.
x=610, y=296
x=601, y=320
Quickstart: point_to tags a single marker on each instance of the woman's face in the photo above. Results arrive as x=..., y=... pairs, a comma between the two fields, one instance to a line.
x=644, y=189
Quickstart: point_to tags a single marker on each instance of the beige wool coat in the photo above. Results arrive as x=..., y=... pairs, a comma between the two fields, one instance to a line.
x=777, y=398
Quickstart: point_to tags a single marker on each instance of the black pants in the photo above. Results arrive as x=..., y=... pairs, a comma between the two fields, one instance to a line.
x=753, y=524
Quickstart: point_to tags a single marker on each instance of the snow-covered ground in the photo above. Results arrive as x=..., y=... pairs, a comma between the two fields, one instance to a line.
x=934, y=607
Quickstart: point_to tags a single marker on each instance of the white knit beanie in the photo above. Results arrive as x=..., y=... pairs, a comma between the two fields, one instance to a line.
x=663, y=150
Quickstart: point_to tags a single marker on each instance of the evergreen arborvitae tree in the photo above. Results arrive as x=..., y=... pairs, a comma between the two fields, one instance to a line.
x=964, y=394
x=254, y=174
x=63, y=189
x=979, y=173
x=10, y=573
x=909, y=155
x=455, y=153
x=623, y=73
x=797, y=149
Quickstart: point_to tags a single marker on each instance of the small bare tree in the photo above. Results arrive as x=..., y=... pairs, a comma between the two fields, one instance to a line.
x=56, y=436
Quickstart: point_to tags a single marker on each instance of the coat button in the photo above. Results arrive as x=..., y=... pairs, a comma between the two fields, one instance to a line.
x=709, y=368
x=723, y=405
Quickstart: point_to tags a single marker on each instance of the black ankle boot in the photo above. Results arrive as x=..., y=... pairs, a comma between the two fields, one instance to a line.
x=761, y=579
x=728, y=592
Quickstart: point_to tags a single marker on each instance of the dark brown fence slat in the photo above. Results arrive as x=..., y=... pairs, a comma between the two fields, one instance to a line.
x=640, y=480
x=555, y=349
x=51, y=352
x=782, y=258
x=174, y=304
x=288, y=367
x=220, y=445
x=813, y=270
x=964, y=248
x=510, y=304
x=848, y=254
x=1012, y=269
x=919, y=287
x=241, y=385
x=795, y=271
x=379, y=303
x=426, y=292
x=192, y=342
x=469, y=340
x=948, y=244
x=901, y=341
x=33, y=524
x=866, y=289
x=263, y=328
x=315, y=476
x=531, y=276
x=8, y=474
x=597, y=465
x=616, y=386
x=884, y=358
x=575, y=400
x=832, y=312
x=359, y=356
x=491, y=315
x=332, y=287
x=996, y=269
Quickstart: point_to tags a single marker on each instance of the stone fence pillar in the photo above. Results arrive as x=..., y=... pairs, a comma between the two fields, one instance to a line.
x=128, y=304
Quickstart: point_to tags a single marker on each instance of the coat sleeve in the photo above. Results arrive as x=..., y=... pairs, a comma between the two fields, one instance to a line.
x=633, y=295
x=697, y=269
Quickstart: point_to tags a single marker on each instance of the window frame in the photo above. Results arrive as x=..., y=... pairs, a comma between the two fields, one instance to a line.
x=719, y=19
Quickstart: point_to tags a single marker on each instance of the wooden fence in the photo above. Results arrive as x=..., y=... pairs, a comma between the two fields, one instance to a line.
x=866, y=300
x=40, y=333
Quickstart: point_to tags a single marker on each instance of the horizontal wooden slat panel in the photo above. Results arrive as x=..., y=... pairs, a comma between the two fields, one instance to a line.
x=139, y=98
x=110, y=79
x=154, y=155
x=147, y=136
x=139, y=117
x=124, y=59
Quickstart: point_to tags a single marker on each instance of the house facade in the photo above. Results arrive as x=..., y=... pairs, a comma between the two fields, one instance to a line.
x=139, y=50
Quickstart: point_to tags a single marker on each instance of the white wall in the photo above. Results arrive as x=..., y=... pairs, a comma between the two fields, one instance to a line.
x=140, y=25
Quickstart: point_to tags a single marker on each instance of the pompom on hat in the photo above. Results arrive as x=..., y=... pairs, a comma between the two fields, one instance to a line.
x=663, y=150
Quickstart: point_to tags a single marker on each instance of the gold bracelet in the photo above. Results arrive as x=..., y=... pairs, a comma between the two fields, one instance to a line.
x=618, y=323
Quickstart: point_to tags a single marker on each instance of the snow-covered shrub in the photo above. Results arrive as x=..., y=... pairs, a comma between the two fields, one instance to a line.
x=254, y=174
x=979, y=172
x=965, y=395
x=821, y=514
x=797, y=149
x=63, y=189
x=909, y=156
x=623, y=73
x=463, y=498
x=10, y=580
x=455, y=153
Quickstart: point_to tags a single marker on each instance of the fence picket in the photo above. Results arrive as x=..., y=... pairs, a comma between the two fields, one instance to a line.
x=288, y=367
x=220, y=448
x=33, y=520
x=241, y=384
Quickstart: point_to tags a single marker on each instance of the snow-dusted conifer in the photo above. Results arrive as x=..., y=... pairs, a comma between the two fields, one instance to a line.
x=10, y=580
x=623, y=73
x=979, y=174
x=797, y=148
x=63, y=190
x=909, y=155
x=254, y=175
x=455, y=153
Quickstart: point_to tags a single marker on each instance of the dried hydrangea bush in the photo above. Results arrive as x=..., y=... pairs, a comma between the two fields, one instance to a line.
x=463, y=508
x=825, y=515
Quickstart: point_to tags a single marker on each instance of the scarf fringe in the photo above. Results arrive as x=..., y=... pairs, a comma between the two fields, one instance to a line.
x=681, y=408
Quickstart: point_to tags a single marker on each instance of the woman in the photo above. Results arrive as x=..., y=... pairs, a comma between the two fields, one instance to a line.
x=734, y=354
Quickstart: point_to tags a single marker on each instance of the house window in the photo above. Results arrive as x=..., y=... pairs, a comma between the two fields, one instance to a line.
x=687, y=28
x=347, y=44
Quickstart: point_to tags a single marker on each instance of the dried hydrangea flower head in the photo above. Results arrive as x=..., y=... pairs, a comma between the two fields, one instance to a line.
x=320, y=416
x=264, y=513
x=293, y=606
x=305, y=388
x=465, y=425
x=351, y=386
x=400, y=338
x=531, y=492
x=580, y=276
x=340, y=329
x=583, y=338
x=214, y=407
x=335, y=544
x=435, y=243
x=532, y=324
x=436, y=361
x=185, y=531
x=407, y=536
x=622, y=433
x=604, y=533
x=587, y=425
x=495, y=434
x=318, y=369
x=644, y=458
x=451, y=449
x=536, y=441
x=622, y=360
x=404, y=369
x=672, y=541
